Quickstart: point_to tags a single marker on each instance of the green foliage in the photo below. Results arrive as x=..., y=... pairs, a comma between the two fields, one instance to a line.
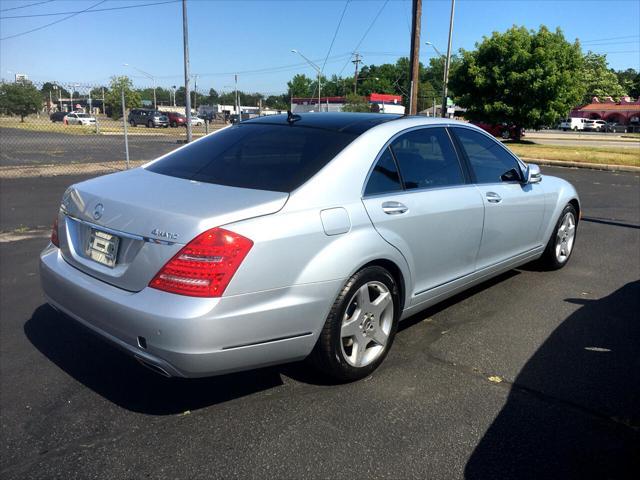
x=300, y=86
x=598, y=80
x=56, y=93
x=19, y=99
x=629, y=80
x=356, y=103
x=113, y=97
x=520, y=76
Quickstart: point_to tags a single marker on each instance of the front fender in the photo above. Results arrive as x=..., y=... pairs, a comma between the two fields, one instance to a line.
x=559, y=193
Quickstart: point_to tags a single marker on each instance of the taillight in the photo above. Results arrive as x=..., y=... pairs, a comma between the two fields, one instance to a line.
x=54, y=232
x=204, y=267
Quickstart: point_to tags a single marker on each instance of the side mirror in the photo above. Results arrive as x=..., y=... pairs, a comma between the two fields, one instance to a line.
x=533, y=174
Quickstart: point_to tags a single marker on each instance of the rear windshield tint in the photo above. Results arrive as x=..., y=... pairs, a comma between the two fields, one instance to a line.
x=264, y=157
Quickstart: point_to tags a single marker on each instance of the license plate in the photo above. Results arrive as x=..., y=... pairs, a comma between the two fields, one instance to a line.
x=103, y=247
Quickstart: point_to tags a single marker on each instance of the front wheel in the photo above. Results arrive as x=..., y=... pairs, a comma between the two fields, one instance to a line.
x=360, y=327
x=562, y=240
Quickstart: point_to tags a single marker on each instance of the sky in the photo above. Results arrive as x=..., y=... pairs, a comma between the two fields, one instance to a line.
x=255, y=38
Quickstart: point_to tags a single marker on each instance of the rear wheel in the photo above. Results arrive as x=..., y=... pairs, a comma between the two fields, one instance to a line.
x=132, y=123
x=174, y=124
x=360, y=328
x=561, y=243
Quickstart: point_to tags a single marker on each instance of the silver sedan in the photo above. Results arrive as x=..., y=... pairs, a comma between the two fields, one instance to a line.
x=298, y=236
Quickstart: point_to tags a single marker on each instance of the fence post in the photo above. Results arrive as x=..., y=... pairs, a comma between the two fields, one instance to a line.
x=97, y=125
x=206, y=127
x=126, y=134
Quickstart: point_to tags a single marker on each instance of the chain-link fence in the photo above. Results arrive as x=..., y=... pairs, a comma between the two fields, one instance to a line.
x=71, y=129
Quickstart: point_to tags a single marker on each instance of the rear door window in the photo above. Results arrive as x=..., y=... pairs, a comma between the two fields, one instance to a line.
x=259, y=156
x=490, y=162
x=384, y=177
x=427, y=159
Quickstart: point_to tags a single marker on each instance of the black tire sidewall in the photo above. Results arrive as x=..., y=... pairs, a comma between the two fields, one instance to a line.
x=341, y=369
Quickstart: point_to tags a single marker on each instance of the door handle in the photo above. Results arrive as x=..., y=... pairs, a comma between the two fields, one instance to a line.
x=493, y=197
x=394, y=208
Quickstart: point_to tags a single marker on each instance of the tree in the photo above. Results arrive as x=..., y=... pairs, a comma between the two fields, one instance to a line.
x=521, y=76
x=599, y=80
x=56, y=90
x=629, y=80
x=19, y=99
x=300, y=86
x=356, y=103
x=113, y=97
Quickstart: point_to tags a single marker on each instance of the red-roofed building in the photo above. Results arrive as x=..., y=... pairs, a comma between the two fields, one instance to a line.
x=624, y=112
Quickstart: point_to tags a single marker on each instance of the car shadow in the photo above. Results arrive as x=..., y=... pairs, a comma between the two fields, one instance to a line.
x=120, y=379
x=574, y=409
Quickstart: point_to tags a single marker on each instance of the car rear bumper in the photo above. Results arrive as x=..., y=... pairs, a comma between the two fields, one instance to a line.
x=187, y=336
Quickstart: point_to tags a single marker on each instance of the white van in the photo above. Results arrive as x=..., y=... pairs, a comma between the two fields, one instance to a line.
x=573, y=123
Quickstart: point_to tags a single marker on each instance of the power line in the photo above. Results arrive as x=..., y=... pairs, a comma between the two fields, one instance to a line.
x=610, y=38
x=335, y=34
x=25, y=6
x=108, y=9
x=365, y=35
x=52, y=23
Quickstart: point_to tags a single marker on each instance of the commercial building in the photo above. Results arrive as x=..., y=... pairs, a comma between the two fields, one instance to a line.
x=379, y=102
x=624, y=112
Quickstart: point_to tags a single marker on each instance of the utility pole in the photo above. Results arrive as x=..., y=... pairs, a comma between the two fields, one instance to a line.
x=237, y=99
x=124, y=125
x=414, y=58
x=447, y=62
x=357, y=61
x=103, y=105
x=187, y=92
x=195, y=93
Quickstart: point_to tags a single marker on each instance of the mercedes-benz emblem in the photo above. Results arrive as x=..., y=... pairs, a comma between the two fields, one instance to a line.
x=97, y=211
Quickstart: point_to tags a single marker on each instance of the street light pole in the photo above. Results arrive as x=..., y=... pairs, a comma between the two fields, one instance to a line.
x=187, y=92
x=447, y=62
x=318, y=71
x=153, y=79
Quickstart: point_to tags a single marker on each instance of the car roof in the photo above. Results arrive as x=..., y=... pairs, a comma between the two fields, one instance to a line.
x=338, y=121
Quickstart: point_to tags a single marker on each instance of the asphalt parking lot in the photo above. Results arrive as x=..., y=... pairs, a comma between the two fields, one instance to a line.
x=26, y=147
x=563, y=345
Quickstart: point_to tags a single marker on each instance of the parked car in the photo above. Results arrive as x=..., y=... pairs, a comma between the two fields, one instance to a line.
x=501, y=130
x=80, y=119
x=196, y=121
x=615, y=127
x=573, y=123
x=58, y=116
x=176, y=119
x=286, y=237
x=594, y=126
x=148, y=118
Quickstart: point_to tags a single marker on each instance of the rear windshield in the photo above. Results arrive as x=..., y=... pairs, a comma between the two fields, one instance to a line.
x=259, y=156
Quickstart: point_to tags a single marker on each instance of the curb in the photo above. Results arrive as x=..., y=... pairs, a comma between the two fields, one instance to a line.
x=592, y=166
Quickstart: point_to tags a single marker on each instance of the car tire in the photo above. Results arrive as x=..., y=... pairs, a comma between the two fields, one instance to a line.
x=562, y=242
x=132, y=123
x=355, y=339
x=149, y=124
x=174, y=124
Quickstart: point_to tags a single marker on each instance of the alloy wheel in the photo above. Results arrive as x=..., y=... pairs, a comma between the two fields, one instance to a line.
x=565, y=237
x=366, y=324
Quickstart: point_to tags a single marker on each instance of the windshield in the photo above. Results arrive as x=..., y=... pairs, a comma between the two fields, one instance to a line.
x=259, y=156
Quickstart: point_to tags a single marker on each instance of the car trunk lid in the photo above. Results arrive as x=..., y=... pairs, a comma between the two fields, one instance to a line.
x=122, y=228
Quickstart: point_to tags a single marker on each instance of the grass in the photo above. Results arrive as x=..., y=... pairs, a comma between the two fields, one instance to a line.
x=600, y=155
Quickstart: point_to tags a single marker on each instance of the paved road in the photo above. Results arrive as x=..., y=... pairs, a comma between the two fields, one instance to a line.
x=565, y=344
x=582, y=139
x=24, y=147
